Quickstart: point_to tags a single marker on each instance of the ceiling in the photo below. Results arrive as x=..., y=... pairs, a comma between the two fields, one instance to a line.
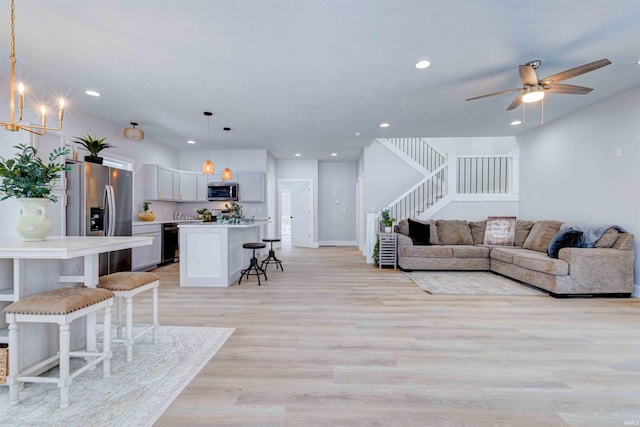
x=301, y=76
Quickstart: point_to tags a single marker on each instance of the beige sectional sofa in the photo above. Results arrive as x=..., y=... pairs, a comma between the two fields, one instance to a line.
x=606, y=269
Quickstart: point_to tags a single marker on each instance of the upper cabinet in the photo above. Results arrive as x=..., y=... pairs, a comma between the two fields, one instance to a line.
x=158, y=182
x=188, y=186
x=251, y=186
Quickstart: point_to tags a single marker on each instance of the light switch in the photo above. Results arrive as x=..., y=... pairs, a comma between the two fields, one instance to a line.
x=617, y=152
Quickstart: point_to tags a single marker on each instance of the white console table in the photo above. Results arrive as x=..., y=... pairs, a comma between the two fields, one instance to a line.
x=28, y=268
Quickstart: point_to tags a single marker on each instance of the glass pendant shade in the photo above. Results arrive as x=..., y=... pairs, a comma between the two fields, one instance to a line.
x=533, y=94
x=227, y=175
x=208, y=168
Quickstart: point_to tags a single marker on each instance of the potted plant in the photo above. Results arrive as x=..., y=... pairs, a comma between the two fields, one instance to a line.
x=146, y=214
x=386, y=220
x=30, y=180
x=94, y=146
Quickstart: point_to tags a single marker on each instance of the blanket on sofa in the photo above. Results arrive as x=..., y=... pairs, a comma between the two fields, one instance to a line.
x=591, y=233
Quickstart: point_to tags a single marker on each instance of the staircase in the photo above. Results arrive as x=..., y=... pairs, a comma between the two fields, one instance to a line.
x=446, y=179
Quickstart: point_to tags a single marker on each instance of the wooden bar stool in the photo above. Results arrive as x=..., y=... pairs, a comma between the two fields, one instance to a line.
x=125, y=285
x=272, y=256
x=61, y=306
x=253, y=266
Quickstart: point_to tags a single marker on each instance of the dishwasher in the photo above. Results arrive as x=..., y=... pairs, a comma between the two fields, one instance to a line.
x=170, y=239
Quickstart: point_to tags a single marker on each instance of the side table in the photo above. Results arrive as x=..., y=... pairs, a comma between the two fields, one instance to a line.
x=387, y=246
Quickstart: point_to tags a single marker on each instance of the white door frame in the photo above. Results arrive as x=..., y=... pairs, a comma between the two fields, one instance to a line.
x=312, y=243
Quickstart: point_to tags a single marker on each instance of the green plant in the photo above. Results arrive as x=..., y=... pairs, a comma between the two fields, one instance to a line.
x=202, y=211
x=234, y=208
x=26, y=175
x=386, y=218
x=93, y=145
x=146, y=207
x=376, y=252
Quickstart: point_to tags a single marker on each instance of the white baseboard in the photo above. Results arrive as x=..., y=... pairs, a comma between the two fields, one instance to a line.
x=338, y=243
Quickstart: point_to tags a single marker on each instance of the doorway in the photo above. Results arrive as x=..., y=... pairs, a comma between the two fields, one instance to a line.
x=296, y=212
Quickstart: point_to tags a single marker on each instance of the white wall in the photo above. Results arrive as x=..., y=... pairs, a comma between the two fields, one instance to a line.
x=474, y=145
x=302, y=169
x=477, y=211
x=337, y=203
x=568, y=170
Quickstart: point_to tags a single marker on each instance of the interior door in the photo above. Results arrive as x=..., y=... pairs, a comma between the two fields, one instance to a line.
x=301, y=214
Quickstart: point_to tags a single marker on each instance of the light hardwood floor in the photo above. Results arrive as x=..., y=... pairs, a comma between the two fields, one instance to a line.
x=333, y=341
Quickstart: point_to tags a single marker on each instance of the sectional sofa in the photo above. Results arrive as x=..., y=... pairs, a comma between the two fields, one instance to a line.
x=605, y=269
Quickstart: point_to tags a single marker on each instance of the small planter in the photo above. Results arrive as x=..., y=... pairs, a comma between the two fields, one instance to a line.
x=147, y=216
x=93, y=159
x=387, y=229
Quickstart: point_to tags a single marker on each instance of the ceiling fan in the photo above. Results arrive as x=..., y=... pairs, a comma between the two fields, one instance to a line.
x=533, y=89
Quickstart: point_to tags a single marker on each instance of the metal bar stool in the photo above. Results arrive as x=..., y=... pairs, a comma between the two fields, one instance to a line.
x=272, y=256
x=61, y=306
x=253, y=266
x=125, y=285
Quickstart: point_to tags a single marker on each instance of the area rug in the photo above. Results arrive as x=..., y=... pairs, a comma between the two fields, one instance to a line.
x=136, y=394
x=469, y=283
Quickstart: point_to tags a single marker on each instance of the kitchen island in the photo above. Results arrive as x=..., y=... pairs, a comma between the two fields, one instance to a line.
x=211, y=254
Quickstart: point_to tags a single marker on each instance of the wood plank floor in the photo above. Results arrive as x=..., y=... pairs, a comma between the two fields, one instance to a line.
x=333, y=341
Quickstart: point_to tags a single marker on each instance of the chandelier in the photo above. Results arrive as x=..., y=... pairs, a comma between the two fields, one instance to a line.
x=207, y=167
x=133, y=133
x=13, y=124
x=227, y=175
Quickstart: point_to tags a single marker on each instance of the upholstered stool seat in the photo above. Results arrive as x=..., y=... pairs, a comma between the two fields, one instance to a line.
x=61, y=306
x=253, y=269
x=125, y=285
x=272, y=256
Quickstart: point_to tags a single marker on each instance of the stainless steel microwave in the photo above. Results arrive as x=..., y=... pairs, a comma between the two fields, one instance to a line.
x=222, y=191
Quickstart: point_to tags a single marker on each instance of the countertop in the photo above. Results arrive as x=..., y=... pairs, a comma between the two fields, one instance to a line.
x=256, y=223
x=167, y=221
x=68, y=247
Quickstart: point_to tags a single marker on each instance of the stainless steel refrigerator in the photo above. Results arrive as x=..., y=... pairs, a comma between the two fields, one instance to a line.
x=99, y=203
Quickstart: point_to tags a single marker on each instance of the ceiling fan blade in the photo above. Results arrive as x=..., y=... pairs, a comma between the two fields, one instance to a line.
x=528, y=75
x=574, y=72
x=569, y=89
x=494, y=94
x=516, y=102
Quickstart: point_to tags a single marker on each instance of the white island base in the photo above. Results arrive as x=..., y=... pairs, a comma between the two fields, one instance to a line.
x=211, y=255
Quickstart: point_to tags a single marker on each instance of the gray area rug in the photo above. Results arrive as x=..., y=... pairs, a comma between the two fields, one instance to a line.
x=136, y=394
x=469, y=283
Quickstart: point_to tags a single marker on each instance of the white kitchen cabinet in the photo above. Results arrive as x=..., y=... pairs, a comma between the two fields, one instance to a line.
x=188, y=184
x=146, y=257
x=251, y=186
x=158, y=182
x=203, y=182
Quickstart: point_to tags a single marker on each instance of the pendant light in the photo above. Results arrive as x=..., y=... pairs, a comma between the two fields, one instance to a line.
x=208, y=167
x=133, y=133
x=227, y=175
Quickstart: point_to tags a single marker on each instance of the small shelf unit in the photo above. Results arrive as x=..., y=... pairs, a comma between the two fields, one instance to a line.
x=387, y=246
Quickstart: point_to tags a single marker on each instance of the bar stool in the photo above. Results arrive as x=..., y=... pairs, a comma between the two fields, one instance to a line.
x=254, y=263
x=272, y=256
x=125, y=285
x=61, y=306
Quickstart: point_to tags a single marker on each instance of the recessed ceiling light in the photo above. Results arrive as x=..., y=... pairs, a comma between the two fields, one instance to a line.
x=92, y=93
x=358, y=133
x=516, y=122
x=384, y=125
x=297, y=154
x=334, y=154
x=422, y=65
x=191, y=141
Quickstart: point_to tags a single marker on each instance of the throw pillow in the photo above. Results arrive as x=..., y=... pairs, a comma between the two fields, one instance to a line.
x=419, y=233
x=403, y=227
x=501, y=230
x=541, y=234
x=522, y=231
x=454, y=232
x=477, y=231
x=565, y=238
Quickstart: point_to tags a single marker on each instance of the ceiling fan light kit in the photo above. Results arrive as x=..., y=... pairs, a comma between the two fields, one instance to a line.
x=533, y=89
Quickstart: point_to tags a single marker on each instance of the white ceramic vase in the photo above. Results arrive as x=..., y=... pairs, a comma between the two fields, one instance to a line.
x=387, y=229
x=34, y=224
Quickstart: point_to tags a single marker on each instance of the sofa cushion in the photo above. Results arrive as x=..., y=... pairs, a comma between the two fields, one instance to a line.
x=522, y=231
x=477, y=231
x=403, y=227
x=426, y=251
x=419, y=232
x=608, y=239
x=537, y=261
x=565, y=238
x=624, y=242
x=454, y=232
x=464, y=251
x=503, y=254
x=541, y=234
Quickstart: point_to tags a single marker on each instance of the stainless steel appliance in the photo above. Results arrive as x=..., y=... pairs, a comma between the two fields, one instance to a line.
x=170, y=239
x=99, y=203
x=222, y=191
